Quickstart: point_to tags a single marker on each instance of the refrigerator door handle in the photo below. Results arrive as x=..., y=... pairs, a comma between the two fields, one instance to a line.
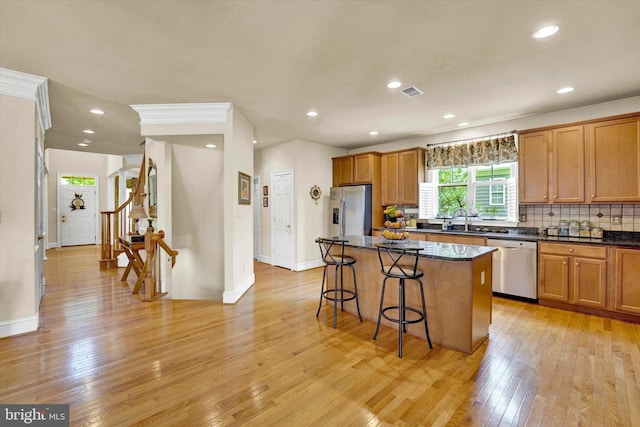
x=342, y=213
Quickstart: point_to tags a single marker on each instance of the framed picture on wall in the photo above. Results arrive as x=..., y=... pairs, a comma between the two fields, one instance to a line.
x=265, y=202
x=244, y=189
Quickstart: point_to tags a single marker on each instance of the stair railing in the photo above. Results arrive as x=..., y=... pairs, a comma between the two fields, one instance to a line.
x=152, y=269
x=115, y=224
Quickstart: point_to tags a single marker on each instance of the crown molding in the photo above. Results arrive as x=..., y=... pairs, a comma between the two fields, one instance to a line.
x=28, y=86
x=154, y=114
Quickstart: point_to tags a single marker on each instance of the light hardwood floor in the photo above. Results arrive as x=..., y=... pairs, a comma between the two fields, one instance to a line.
x=268, y=361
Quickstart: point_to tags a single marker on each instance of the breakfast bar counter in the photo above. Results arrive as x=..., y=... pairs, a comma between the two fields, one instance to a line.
x=457, y=285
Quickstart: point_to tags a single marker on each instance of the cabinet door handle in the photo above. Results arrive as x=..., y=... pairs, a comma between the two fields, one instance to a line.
x=577, y=264
x=570, y=249
x=555, y=196
x=564, y=262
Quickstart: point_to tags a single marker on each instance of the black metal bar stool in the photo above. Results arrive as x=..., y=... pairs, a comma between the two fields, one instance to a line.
x=336, y=258
x=399, y=261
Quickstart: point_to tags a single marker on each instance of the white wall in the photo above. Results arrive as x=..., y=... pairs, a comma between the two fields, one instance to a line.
x=197, y=224
x=595, y=111
x=311, y=163
x=76, y=162
x=238, y=219
x=18, y=132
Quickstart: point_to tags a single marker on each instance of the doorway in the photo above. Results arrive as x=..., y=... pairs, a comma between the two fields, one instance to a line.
x=282, y=226
x=77, y=209
x=257, y=202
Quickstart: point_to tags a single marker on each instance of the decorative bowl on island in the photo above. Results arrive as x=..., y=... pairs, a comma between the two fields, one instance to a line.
x=394, y=236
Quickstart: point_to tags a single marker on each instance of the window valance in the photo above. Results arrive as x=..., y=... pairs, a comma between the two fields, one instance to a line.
x=479, y=152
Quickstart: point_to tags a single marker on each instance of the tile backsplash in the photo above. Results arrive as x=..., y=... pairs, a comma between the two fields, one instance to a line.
x=603, y=216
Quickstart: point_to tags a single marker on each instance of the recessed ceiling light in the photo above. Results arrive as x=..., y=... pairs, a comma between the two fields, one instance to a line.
x=394, y=84
x=82, y=144
x=255, y=142
x=544, y=32
x=87, y=141
x=97, y=111
x=312, y=113
x=210, y=145
x=88, y=131
x=463, y=124
x=565, y=89
x=374, y=133
x=448, y=116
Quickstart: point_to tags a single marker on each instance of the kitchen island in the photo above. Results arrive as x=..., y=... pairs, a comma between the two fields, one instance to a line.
x=457, y=285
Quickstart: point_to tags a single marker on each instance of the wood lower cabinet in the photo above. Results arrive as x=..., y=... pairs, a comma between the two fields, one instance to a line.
x=553, y=277
x=456, y=238
x=571, y=273
x=627, y=283
x=614, y=153
x=402, y=171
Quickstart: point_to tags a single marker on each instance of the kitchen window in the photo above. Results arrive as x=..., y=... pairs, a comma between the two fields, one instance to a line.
x=487, y=192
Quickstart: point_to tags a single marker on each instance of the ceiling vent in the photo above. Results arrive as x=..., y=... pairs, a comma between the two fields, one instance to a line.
x=412, y=91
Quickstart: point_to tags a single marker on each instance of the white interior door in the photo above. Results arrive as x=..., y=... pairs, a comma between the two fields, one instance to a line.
x=77, y=211
x=282, y=200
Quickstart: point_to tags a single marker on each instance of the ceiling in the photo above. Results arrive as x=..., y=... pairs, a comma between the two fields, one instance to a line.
x=276, y=60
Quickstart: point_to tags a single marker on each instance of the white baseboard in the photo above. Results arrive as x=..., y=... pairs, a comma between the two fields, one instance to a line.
x=19, y=326
x=300, y=266
x=265, y=259
x=231, y=297
x=51, y=245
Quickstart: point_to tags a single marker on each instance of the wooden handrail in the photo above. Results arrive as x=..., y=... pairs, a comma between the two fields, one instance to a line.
x=115, y=224
x=152, y=268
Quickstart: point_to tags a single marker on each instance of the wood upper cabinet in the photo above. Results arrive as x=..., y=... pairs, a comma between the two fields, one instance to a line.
x=342, y=170
x=614, y=160
x=402, y=171
x=363, y=168
x=627, y=283
x=533, y=167
x=552, y=166
x=567, y=165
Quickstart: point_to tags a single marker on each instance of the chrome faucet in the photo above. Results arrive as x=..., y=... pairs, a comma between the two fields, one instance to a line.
x=466, y=217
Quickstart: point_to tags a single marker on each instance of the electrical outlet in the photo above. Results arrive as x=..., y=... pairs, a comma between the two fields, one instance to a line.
x=523, y=217
x=616, y=219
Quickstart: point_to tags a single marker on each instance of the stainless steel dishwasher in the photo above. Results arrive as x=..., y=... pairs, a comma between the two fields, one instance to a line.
x=515, y=269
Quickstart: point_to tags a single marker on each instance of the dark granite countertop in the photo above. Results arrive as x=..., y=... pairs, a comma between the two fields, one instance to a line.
x=445, y=251
x=611, y=238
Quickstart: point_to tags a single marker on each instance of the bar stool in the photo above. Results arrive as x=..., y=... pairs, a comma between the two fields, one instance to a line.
x=339, y=261
x=401, y=262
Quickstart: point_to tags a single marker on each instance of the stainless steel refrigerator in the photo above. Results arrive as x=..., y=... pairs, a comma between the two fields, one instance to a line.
x=350, y=211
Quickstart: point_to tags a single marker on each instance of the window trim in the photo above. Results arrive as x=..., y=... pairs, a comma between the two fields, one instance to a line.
x=506, y=183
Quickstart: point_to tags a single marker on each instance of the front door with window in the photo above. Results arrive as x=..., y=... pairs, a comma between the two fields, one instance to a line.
x=77, y=210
